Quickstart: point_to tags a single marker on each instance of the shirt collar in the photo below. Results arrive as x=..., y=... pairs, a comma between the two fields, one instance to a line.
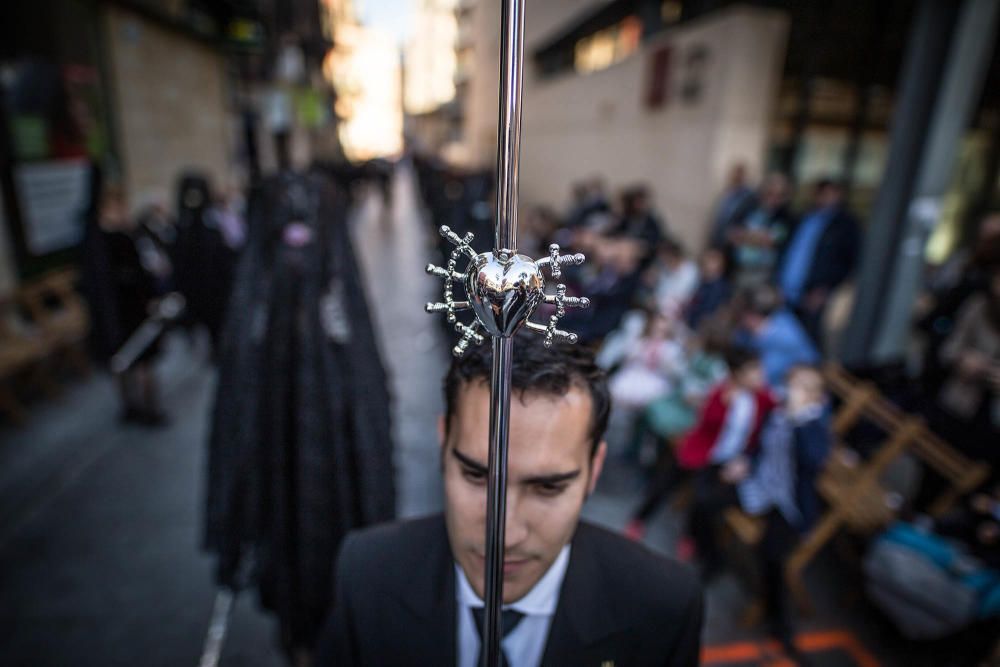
x=541, y=600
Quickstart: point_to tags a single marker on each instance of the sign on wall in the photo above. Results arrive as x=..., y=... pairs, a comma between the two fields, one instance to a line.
x=52, y=195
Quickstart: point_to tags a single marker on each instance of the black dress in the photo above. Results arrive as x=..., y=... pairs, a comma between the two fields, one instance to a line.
x=300, y=450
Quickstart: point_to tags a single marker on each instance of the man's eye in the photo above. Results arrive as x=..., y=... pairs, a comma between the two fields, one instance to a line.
x=550, y=490
x=473, y=475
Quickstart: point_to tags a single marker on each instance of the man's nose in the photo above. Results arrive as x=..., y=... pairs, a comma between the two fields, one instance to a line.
x=515, y=526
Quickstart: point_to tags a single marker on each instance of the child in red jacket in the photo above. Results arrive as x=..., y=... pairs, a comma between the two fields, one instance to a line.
x=716, y=449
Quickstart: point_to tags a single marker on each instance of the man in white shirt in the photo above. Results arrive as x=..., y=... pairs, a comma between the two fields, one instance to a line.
x=410, y=593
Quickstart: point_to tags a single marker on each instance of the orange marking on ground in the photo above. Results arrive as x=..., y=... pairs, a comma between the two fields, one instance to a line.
x=811, y=642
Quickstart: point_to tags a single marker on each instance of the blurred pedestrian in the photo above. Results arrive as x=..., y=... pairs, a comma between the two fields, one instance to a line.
x=121, y=293
x=300, y=448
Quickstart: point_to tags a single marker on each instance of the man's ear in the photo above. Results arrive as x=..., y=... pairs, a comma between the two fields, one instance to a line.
x=597, y=465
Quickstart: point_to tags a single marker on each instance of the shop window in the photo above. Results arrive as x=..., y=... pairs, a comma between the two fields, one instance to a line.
x=608, y=46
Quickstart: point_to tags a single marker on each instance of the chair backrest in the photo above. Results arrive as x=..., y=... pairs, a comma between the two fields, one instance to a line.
x=861, y=400
x=50, y=294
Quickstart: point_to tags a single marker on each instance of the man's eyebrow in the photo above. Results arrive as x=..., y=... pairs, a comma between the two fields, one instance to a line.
x=469, y=463
x=556, y=478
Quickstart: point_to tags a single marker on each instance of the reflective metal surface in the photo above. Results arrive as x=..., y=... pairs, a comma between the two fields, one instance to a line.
x=504, y=294
x=504, y=289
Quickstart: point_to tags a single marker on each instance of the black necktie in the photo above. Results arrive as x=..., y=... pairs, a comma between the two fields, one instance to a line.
x=508, y=621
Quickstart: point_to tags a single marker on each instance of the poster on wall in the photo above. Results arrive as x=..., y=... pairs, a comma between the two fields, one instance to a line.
x=53, y=195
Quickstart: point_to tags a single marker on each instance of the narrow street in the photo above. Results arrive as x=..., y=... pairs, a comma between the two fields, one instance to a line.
x=100, y=523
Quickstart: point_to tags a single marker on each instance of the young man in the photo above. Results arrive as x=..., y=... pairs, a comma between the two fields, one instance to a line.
x=411, y=593
x=820, y=255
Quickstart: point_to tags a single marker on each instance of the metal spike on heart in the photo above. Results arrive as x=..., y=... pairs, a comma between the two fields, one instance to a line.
x=503, y=290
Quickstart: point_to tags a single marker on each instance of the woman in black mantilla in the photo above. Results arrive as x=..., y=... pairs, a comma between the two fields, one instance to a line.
x=203, y=263
x=300, y=450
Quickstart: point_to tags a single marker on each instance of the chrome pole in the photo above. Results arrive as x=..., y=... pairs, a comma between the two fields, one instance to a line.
x=504, y=289
x=504, y=246
x=509, y=124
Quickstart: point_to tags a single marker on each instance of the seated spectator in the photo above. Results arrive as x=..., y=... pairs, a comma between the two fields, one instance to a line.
x=976, y=524
x=638, y=221
x=735, y=202
x=590, y=208
x=819, y=256
x=610, y=281
x=713, y=289
x=965, y=274
x=670, y=417
x=650, y=366
x=775, y=333
x=675, y=277
x=759, y=239
x=968, y=401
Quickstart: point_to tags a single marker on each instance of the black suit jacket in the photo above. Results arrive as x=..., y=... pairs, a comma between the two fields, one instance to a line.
x=836, y=254
x=620, y=603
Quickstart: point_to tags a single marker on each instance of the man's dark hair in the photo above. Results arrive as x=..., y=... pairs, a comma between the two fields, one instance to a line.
x=763, y=300
x=739, y=356
x=537, y=370
x=670, y=246
x=828, y=183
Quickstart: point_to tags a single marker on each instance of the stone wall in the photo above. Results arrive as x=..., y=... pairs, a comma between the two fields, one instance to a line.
x=170, y=107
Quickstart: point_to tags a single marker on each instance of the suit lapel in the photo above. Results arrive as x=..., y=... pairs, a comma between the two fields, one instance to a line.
x=426, y=625
x=584, y=614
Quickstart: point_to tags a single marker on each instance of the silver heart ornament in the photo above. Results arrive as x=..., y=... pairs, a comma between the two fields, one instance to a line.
x=504, y=294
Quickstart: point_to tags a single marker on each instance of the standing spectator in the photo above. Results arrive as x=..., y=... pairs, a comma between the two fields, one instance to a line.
x=758, y=240
x=736, y=202
x=821, y=254
x=775, y=333
x=713, y=290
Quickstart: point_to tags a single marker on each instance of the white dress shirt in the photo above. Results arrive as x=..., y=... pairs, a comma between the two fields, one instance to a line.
x=525, y=644
x=737, y=428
